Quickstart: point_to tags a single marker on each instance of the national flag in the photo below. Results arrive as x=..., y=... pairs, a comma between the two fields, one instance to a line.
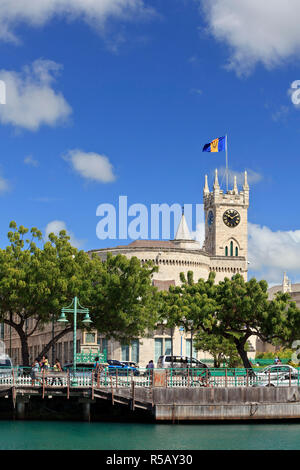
x=217, y=145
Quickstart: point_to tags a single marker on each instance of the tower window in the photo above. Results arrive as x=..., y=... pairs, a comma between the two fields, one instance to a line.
x=231, y=248
x=226, y=250
x=236, y=251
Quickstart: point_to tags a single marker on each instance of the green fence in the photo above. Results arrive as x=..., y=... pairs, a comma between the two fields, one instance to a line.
x=260, y=362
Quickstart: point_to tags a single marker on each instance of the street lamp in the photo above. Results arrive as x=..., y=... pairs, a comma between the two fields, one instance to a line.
x=191, y=324
x=181, y=331
x=73, y=308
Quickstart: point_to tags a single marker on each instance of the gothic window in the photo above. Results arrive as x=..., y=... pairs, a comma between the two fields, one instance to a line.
x=231, y=248
x=236, y=251
x=226, y=250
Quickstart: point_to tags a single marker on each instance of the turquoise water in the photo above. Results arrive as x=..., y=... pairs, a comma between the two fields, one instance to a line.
x=126, y=436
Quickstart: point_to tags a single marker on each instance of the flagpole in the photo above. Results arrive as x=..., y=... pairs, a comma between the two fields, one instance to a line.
x=226, y=164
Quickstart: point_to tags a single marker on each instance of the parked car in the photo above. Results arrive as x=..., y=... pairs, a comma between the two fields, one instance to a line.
x=130, y=363
x=6, y=366
x=115, y=366
x=285, y=380
x=272, y=372
x=181, y=364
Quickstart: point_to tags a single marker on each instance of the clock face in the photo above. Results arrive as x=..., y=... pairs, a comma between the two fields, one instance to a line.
x=210, y=218
x=231, y=218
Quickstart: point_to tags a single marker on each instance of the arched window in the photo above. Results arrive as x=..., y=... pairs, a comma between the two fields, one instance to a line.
x=231, y=248
x=236, y=251
x=226, y=250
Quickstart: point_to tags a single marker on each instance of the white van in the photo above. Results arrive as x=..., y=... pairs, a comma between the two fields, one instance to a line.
x=182, y=362
x=6, y=365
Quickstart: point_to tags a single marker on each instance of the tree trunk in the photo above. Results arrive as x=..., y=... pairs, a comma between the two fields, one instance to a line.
x=24, y=347
x=217, y=361
x=243, y=354
x=24, y=342
x=54, y=341
x=23, y=339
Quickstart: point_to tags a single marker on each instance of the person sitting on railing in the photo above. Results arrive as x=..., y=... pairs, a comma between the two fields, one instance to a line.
x=56, y=368
x=44, y=364
x=34, y=369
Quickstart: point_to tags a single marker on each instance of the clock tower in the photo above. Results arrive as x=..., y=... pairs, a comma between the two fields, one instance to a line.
x=226, y=220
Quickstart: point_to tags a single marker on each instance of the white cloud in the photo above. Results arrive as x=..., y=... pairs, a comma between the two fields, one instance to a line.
x=37, y=13
x=30, y=99
x=4, y=185
x=199, y=234
x=91, y=165
x=29, y=160
x=281, y=114
x=256, y=31
x=57, y=226
x=196, y=91
x=252, y=176
x=272, y=253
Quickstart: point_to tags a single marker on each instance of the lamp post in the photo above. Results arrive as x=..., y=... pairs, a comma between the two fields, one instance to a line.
x=191, y=327
x=181, y=331
x=73, y=308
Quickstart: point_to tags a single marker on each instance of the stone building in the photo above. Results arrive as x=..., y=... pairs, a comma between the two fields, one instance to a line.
x=224, y=251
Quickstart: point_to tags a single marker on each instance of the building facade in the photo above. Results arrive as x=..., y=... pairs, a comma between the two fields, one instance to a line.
x=224, y=251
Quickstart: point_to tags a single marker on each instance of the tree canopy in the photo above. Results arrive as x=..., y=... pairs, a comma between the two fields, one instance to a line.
x=245, y=310
x=233, y=309
x=38, y=278
x=220, y=348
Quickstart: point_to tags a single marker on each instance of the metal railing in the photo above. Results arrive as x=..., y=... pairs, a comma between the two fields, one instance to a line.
x=176, y=377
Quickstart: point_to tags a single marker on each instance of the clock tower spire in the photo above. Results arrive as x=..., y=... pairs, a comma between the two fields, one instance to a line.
x=226, y=220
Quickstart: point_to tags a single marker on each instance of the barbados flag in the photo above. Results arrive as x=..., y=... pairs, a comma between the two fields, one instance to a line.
x=217, y=145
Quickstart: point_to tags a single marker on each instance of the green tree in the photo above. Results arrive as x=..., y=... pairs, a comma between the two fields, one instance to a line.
x=244, y=310
x=191, y=305
x=37, y=278
x=124, y=303
x=220, y=348
x=35, y=281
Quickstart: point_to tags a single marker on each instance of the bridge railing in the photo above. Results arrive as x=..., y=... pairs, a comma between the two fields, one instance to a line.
x=171, y=377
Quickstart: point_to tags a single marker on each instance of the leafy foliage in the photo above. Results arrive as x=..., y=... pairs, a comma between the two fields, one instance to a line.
x=37, y=279
x=234, y=310
x=123, y=302
x=221, y=349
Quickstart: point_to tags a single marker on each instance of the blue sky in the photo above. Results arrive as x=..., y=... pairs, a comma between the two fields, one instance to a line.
x=139, y=88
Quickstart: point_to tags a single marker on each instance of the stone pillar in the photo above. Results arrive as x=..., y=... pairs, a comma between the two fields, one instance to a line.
x=86, y=411
x=20, y=408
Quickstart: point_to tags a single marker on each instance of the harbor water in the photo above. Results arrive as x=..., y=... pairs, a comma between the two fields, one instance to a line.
x=53, y=435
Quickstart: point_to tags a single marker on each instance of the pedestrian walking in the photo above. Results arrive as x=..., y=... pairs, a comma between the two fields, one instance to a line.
x=98, y=368
x=150, y=367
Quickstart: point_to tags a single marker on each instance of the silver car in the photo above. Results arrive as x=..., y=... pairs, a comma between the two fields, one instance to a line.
x=275, y=373
x=285, y=380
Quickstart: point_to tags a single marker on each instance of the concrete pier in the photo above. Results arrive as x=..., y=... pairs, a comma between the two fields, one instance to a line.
x=162, y=403
x=240, y=403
